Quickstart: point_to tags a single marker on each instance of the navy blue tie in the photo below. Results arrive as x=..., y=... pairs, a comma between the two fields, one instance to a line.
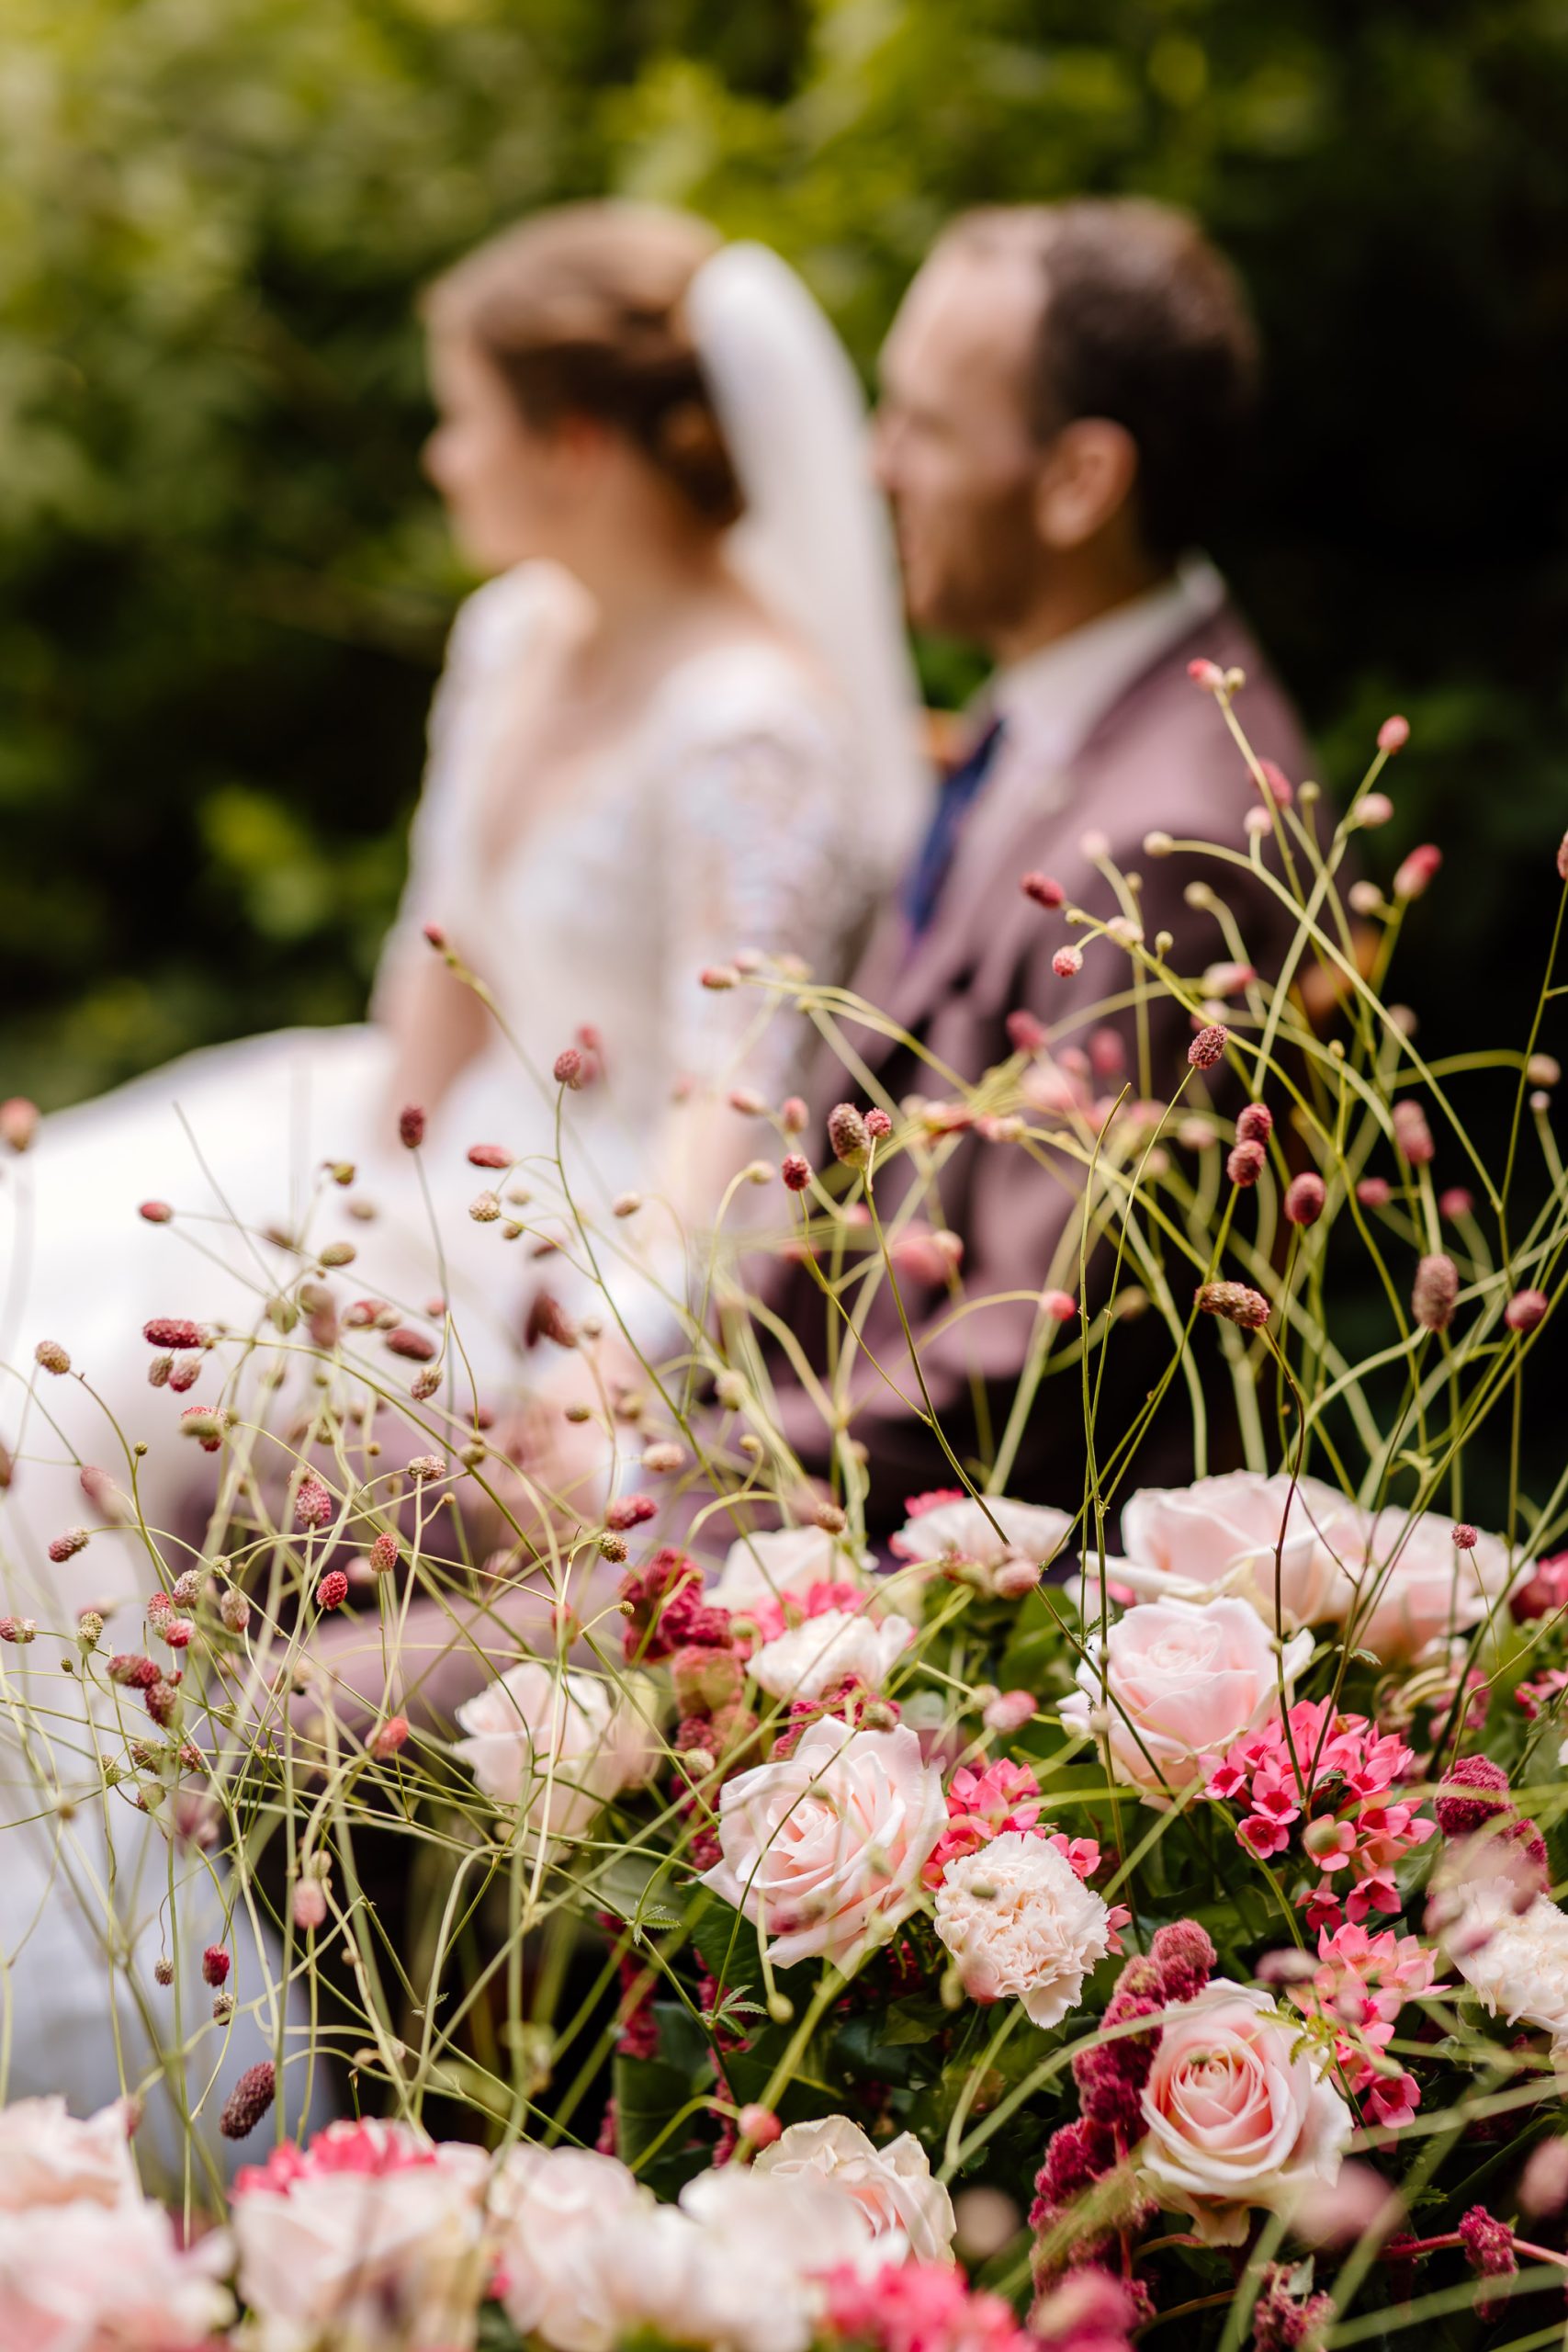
x=923, y=886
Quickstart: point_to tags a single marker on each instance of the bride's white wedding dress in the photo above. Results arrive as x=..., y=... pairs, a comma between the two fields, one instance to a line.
x=765, y=797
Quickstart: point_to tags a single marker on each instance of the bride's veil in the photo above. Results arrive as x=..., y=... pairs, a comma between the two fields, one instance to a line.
x=813, y=541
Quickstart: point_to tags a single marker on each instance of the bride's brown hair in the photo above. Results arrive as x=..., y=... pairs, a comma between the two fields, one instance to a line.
x=581, y=312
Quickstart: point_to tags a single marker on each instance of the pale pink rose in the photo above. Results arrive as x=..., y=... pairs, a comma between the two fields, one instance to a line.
x=805, y=1660
x=892, y=2186
x=823, y=1849
x=1184, y=1681
x=1221, y=1535
x=374, y=2234
x=986, y=1540
x=550, y=2210
x=556, y=1743
x=107, y=2278
x=1414, y=1586
x=1020, y=1925
x=782, y=1563
x=1236, y=2117
x=732, y=2266
x=48, y=2157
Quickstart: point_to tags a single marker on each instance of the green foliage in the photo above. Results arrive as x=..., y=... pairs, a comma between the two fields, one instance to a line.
x=223, y=588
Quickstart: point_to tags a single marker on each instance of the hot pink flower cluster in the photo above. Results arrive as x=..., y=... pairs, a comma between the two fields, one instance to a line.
x=1336, y=1776
x=1358, y=1988
x=1535, y=1696
x=1005, y=1797
x=930, y=2307
x=369, y=2148
x=772, y=1615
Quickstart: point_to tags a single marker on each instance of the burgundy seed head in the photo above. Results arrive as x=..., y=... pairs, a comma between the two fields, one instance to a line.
x=1208, y=1047
x=215, y=1966
x=410, y=1126
x=171, y=1331
x=333, y=1590
x=249, y=2100
x=1412, y=1134
x=1373, y=1192
x=1526, y=1310
x=628, y=1511
x=66, y=1546
x=1460, y=1816
x=795, y=1171
x=1234, y=1302
x=489, y=1155
x=847, y=1135
x=1256, y=1123
x=383, y=1553
x=312, y=1504
x=878, y=1125
x=1305, y=1198
x=1246, y=1164
x=1044, y=891
x=569, y=1068
x=1465, y=1537
x=1435, y=1293
x=1185, y=1955
x=416, y=1346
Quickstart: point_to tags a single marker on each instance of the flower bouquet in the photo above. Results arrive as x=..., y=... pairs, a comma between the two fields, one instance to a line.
x=1128, y=1914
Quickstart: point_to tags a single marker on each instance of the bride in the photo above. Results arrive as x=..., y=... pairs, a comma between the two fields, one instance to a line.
x=674, y=726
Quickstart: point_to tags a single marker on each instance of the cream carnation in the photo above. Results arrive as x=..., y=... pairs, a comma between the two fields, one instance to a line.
x=1236, y=2117
x=782, y=1563
x=94, y=2277
x=1414, y=1586
x=48, y=2157
x=1022, y=1926
x=891, y=2187
x=1515, y=1963
x=986, y=1539
x=558, y=1744
x=374, y=2236
x=1184, y=1681
x=551, y=2209
x=823, y=1849
x=806, y=1660
x=732, y=2266
x=1233, y=1534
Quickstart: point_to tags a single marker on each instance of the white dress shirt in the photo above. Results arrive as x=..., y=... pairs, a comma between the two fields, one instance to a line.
x=1049, y=702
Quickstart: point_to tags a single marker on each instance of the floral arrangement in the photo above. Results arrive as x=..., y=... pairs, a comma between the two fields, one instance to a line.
x=1132, y=1917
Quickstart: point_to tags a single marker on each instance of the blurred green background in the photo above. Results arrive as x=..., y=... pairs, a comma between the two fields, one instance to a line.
x=224, y=586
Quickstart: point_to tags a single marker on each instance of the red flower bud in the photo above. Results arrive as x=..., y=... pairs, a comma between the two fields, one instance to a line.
x=1043, y=890
x=410, y=1126
x=333, y=1590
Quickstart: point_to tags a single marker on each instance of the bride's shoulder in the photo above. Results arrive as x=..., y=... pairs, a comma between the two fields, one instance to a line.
x=749, y=686
x=513, y=609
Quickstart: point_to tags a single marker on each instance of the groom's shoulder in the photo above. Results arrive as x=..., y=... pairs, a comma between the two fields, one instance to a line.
x=1162, y=753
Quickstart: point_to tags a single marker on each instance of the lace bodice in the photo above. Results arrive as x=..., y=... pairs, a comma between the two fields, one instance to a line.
x=727, y=822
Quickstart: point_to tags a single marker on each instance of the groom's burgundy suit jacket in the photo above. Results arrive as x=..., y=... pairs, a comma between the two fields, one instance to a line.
x=1159, y=758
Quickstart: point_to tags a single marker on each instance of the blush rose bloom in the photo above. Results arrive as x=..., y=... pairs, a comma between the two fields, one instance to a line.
x=960, y=1531
x=1185, y=1680
x=89, y=2277
x=1234, y=2119
x=557, y=1743
x=804, y=1661
x=782, y=1563
x=732, y=2265
x=1515, y=1962
x=1416, y=1587
x=550, y=2209
x=1022, y=1926
x=1221, y=1535
x=374, y=2236
x=823, y=1849
x=891, y=2187
x=49, y=2157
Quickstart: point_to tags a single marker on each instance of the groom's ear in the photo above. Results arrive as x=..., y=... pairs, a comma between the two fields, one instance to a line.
x=1086, y=478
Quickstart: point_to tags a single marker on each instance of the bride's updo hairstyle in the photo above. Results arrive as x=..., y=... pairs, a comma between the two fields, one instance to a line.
x=581, y=312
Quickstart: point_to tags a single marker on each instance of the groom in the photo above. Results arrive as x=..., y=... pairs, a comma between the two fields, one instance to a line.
x=1065, y=389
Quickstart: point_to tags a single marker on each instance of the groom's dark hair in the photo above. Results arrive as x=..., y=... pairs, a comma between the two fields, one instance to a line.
x=1143, y=321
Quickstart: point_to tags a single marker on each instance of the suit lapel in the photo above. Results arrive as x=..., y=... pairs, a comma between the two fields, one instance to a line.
x=982, y=892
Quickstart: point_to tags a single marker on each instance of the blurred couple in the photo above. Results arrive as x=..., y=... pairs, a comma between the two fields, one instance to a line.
x=680, y=723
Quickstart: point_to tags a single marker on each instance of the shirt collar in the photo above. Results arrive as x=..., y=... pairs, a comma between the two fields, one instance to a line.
x=1050, y=700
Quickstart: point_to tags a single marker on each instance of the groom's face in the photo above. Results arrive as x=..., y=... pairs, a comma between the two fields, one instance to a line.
x=953, y=448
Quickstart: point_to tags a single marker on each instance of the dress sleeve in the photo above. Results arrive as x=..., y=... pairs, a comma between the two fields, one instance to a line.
x=494, y=633
x=760, y=859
